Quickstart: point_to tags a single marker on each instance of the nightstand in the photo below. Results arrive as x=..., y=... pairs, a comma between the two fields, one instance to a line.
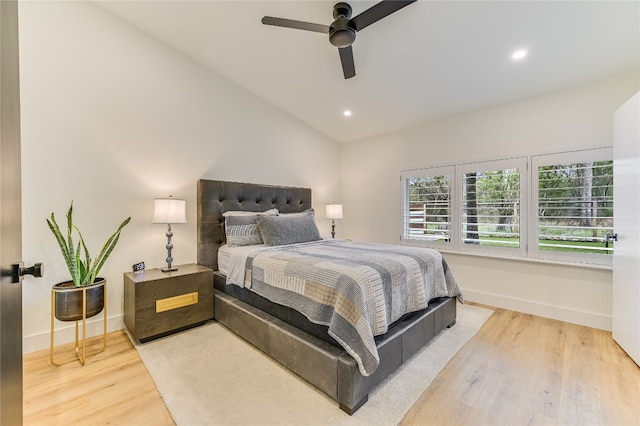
x=158, y=303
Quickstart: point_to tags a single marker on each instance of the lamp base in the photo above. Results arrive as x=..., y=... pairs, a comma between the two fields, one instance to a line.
x=169, y=267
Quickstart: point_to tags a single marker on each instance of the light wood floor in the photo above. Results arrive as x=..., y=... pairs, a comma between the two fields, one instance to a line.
x=525, y=370
x=113, y=387
x=519, y=369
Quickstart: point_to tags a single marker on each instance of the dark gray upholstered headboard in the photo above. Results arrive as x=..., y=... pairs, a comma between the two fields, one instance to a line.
x=216, y=197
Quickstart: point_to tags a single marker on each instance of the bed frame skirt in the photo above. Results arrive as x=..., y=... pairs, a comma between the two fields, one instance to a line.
x=330, y=368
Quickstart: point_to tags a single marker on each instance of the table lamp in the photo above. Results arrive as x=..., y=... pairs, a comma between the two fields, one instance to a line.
x=333, y=212
x=169, y=210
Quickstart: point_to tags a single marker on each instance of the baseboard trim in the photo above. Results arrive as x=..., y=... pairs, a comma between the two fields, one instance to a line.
x=65, y=333
x=589, y=319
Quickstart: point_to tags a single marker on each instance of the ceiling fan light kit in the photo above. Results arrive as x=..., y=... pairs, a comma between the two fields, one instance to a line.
x=342, y=32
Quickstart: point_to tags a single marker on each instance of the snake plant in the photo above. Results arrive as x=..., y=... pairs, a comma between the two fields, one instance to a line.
x=83, y=269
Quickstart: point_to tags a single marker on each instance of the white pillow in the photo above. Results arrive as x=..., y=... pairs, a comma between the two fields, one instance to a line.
x=303, y=213
x=246, y=213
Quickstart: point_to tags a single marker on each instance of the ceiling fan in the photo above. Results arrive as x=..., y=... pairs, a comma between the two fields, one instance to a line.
x=342, y=32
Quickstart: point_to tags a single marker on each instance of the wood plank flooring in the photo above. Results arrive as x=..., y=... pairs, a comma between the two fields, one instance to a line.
x=519, y=369
x=526, y=370
x=113, y=387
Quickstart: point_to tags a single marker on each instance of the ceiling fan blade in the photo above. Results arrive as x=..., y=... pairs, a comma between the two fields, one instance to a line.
x=346, y=57
x=377, y=12
x=297, y=25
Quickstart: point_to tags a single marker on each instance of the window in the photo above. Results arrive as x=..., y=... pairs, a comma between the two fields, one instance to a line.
x=492, y=197
x=574, y=193
x=427, y=205
x=560, y=208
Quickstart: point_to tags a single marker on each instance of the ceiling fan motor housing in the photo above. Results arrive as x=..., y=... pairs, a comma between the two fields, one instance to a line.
x=342, y=9
x=342, y=32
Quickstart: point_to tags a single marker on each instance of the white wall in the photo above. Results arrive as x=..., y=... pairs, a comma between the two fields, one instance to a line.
x=575, y=118
x=112, y=119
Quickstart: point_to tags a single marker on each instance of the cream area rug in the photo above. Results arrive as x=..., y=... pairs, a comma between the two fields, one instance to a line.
x=210, y=376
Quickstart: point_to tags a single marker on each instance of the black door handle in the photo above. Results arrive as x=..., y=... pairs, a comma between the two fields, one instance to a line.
x=610, y=237
x=17, y=271
x=37, y=270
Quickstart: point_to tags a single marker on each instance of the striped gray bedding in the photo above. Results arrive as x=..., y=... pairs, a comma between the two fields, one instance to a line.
x=356, y=289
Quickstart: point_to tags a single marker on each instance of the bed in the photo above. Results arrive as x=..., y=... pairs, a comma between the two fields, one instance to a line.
x=344, y=362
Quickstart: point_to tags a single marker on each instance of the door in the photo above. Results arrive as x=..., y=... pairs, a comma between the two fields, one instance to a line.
x=626, y=199
x=10, y=220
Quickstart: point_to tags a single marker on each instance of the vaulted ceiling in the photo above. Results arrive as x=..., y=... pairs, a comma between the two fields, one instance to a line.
x=429, y=60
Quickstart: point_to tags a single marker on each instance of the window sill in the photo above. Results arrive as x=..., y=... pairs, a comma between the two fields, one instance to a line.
x=517, y=259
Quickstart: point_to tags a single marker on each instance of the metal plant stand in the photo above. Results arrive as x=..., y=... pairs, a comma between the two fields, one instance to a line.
x=80, y=346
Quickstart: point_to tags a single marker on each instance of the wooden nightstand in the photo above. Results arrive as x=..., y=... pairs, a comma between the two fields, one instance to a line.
x=158, y=303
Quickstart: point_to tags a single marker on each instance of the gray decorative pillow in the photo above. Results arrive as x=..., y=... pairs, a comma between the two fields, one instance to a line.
x=288, y=229
x=241, y=227
x=242, y=230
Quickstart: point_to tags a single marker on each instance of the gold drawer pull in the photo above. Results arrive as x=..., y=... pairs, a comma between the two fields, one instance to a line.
x=176, y=302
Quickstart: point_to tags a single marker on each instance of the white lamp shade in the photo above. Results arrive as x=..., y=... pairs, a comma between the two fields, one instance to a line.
x=169, y=210
x=334, y=211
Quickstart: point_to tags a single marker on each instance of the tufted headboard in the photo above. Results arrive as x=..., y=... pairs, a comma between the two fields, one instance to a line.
x=216, y=197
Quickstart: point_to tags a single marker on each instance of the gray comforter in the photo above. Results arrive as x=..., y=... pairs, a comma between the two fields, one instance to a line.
x=356, y=289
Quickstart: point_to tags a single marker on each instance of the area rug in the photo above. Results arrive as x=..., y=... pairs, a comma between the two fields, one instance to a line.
x=210, y=376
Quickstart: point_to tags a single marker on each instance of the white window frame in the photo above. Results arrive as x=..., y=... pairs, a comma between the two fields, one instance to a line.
x=462, y=170
x=591, y=155
x=529, y=186
x=426, y=172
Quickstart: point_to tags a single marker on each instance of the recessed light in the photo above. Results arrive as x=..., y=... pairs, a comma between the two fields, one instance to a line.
x=347, y=113
x=519, y=54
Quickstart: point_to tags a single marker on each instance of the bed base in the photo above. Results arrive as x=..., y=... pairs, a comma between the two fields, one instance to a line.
x=329, y=368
